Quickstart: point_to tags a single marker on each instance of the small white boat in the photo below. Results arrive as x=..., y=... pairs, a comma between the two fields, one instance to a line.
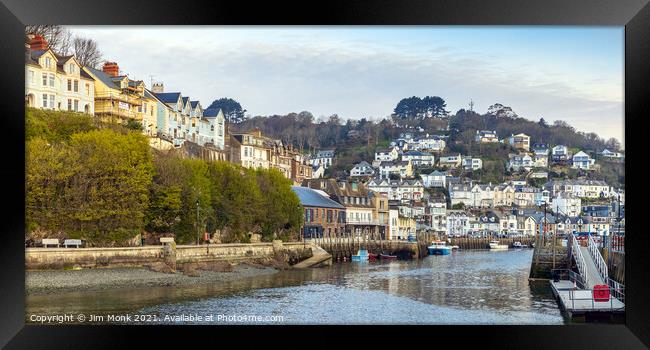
x=455, y=247
x=494, y=245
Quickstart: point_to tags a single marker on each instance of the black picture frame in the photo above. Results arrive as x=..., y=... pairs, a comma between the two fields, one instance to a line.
x=14, y=14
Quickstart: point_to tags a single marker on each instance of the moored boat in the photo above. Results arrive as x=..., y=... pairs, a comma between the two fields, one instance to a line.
x=362, y=255
x=439, y=248
x=494, y=245
x=518, y=245
x=372, y=256
x=387, y=257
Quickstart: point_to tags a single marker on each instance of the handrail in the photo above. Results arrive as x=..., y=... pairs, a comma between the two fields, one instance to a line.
x=598, y=259
x=580, y=260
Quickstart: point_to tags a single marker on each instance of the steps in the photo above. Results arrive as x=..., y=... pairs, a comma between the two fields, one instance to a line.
x=319, y=256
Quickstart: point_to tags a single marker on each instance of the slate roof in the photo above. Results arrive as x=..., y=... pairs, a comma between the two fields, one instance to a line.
x=310, y=198
x=103, y=77
x=193, y=104
x=211, y=112
x=168, y=97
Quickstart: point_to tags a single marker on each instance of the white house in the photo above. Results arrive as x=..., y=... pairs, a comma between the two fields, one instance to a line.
x=318, y=171
x=458, y=223
x=581, y=188
x=566, y=204
x=401, y=168
x=609, y=154
x=56, y=82
x=450, y=161
x=398, y=189
x=473, y=164
x=520, y=141
x=428, y=143
x=519, y=161
x=461, y=193
x=560, y=153
x=418, y=158
x=540, y=155
x=434, y=179
x=323, y=157
x=362, y=169
x=581, y=160
x=387, y=155
x=486, y=136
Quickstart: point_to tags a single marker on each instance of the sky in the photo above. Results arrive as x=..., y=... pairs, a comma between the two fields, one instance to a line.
x=573, y=74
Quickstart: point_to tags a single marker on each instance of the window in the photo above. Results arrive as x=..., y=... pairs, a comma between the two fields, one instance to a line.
x=76, y=105
x=69, y=84
x=52, y=80
x=44, y=100
x=71, y=68
x=69, y=104
x=44, y=79
x=52, y=101
x=76, y=86
x=31, y=76
x=48, y=62
x=88, y=89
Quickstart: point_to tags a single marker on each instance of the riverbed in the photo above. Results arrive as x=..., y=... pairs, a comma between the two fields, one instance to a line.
x=466, y=287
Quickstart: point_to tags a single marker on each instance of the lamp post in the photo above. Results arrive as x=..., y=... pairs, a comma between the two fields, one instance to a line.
x=198, y=227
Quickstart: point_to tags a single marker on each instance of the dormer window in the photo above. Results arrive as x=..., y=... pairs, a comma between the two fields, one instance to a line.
x=48, y=62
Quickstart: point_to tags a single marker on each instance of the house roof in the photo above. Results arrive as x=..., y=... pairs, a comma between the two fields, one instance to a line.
x=168, y=97
x=103, y=77
x=194, y=103
x=581, y=154
x=311, y=198
x=362, y=164
x=437, y=173
x=211, y=112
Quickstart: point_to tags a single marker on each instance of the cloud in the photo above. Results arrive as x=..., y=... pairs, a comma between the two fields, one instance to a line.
x=279, y=71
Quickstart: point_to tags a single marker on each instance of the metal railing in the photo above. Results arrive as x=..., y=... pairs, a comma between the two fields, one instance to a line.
x=582, y=293
x=616, y=289
x=601, y=265
x=580, y=260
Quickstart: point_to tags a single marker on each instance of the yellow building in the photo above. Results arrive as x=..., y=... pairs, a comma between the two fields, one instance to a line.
x=118, y=98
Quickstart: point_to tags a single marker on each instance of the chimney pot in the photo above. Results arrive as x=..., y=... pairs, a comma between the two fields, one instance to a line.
x=111, y=68
x=37, y=42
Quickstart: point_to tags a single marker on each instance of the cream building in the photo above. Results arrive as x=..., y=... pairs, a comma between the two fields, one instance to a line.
x=56, y=82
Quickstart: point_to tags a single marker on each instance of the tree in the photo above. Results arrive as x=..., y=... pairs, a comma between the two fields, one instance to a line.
x=434, y=106
x=58, y=38
x=232, y=110
x=86, y=52
x=613, y=144
x=501, y=111
x=542, y=123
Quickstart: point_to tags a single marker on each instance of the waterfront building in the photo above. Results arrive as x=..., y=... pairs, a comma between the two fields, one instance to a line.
x=458, y=223
x=56, y=82
x=251, y=150
x=488, y=222
x=437, y=214
x=504, y=195
x=434, y=179
x=393, y=223
x=526, y=196
x=358, y=203
x=323, y=217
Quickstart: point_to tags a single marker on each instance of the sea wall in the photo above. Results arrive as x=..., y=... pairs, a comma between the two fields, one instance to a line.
x=61, y=258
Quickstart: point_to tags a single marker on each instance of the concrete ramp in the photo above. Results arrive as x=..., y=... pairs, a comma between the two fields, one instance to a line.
x=320, y=256
x=593, y=276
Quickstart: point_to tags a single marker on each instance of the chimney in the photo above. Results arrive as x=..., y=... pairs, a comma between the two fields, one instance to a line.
x=158, y=88
x=37, y=42
x=111, y=68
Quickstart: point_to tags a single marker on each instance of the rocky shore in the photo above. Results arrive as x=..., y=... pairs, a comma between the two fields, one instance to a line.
x=55, y=281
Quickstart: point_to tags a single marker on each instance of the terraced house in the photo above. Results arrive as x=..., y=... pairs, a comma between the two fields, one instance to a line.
x=56, y=82
x=118, y=99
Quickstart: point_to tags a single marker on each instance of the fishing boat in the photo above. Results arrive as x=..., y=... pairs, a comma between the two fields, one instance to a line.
x=362, y=255
x=373, y=256
x=387, y=257
x=494, y=245
x=439, y=248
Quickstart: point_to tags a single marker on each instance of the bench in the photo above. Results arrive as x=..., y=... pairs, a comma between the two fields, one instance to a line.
x=72, y=242
x=166, y=240
x=50, y=241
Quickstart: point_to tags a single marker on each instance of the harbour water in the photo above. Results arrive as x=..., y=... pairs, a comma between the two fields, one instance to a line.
x=466, y=287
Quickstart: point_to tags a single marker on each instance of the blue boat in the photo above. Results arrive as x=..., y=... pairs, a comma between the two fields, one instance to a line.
x=439, y=248
x=362, y=255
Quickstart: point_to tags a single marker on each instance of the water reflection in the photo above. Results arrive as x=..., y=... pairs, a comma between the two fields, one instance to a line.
x=466, y=287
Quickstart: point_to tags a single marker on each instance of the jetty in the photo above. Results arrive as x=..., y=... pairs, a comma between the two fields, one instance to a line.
x=584, y=289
